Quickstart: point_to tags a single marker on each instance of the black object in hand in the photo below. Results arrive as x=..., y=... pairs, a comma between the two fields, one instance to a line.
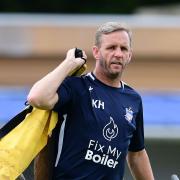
x=78, y=53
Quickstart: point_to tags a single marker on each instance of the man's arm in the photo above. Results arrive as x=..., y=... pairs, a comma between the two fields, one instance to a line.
x=139, y=165
x=43, y=94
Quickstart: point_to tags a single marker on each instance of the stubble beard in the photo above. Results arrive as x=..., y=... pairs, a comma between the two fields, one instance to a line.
x=108, y=72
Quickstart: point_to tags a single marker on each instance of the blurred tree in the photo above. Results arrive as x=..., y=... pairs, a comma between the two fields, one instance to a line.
x=78, y=6
x=69, y=6
x=157, y=2
x=10, y=6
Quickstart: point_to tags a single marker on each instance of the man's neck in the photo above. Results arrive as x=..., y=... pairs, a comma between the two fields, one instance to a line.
x=107, y=80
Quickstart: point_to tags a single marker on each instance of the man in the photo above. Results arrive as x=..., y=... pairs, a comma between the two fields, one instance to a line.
x=103, y=117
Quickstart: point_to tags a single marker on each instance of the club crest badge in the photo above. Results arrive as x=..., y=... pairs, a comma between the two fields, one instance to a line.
x=110, y=131
x=129, y=114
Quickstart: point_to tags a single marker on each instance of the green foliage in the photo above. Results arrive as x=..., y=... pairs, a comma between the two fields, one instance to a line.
x=78, y=6
x=69, y=6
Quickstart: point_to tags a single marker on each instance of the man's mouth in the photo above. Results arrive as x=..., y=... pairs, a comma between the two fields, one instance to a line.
x=117, y=63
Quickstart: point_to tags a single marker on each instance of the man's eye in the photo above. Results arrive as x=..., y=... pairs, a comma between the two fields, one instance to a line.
x=111, y=47
x=124, y=48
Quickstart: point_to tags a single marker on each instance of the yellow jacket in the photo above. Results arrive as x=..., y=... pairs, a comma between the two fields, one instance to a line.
x=22, y=144
x=19, y=147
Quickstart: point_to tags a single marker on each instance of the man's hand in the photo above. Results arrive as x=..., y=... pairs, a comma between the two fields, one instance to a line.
x=75, y=63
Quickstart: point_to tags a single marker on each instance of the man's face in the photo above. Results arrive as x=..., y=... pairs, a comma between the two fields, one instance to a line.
x=113, y=54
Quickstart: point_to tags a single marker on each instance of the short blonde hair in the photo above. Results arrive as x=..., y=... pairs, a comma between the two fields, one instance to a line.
x=110, y=27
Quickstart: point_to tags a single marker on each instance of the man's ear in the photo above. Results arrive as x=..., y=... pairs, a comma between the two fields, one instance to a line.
x=130, y=56
x=95, y=51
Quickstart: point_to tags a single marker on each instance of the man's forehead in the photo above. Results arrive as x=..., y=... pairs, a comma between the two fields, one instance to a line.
x=117, y=36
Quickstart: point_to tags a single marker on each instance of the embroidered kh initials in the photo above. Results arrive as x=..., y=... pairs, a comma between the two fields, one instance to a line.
x=97, y=104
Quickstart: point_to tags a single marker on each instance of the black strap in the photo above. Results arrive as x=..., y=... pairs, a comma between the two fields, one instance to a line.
x=15, y=121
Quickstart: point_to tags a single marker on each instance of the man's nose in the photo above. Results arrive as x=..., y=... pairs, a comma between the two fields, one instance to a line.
x=118, y=52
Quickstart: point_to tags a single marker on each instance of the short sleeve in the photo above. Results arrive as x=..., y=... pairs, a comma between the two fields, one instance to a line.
x=65, y=95
x=137, y=140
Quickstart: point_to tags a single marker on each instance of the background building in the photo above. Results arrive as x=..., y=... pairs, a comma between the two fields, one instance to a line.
x=31, y=45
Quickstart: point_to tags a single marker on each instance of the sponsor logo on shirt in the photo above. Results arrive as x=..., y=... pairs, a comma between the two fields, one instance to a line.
x=110, y=130
x=101, y=154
